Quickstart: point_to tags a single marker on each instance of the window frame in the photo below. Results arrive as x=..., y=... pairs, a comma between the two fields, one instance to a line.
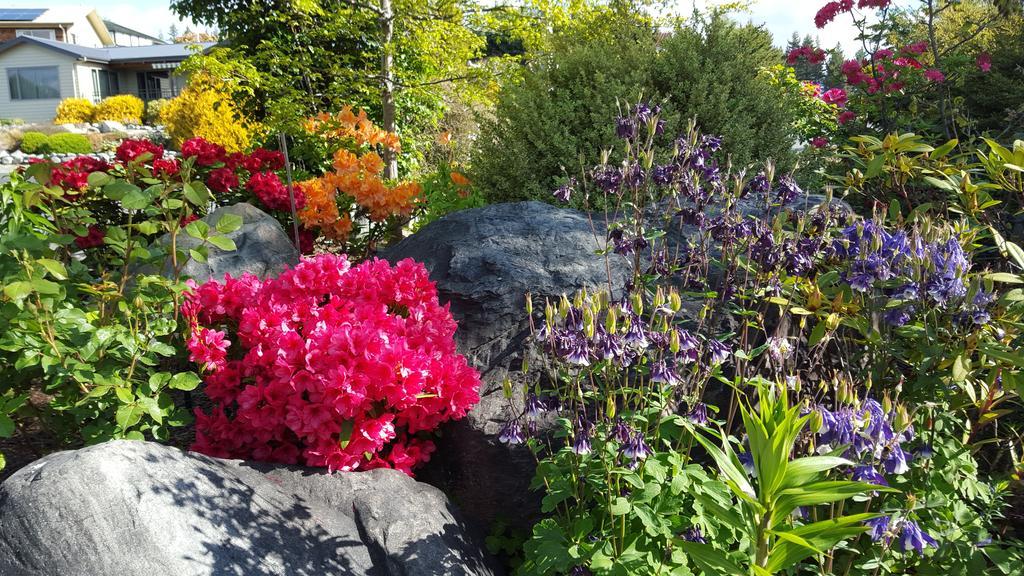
x=14, y=81
x=31, y=33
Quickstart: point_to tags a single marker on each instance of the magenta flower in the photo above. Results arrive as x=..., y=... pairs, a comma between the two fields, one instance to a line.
x=984, y=62
x=934, y=75
x=835, y=96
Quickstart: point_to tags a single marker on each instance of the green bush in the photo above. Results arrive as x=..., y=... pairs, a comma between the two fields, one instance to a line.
x=153, y=108
x=35, y=143
x=558, y=114
x=69, y=144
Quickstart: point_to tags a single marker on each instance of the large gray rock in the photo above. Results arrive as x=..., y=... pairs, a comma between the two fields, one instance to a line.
x=135, y=508
x=261, y=247
x=484, y=261
x=108, y=126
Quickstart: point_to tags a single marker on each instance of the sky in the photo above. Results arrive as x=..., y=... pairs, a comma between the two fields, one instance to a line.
x=780, y=17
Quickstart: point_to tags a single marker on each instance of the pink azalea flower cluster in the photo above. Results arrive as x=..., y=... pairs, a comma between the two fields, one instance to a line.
x=831, y=10
x=809, y=53
x=327, y=365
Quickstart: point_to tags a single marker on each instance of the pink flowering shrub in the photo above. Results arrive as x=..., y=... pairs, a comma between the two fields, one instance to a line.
x=327, y=365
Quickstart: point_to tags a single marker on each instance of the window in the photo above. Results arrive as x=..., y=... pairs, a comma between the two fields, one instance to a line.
x=48, y=34
x=34, y=83
x=104, y=83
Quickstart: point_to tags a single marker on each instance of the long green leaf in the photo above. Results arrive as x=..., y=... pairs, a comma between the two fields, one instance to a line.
x=803, y=470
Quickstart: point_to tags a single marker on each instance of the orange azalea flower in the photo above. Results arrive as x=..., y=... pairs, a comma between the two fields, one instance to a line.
x=459, y=180
x=444, y=138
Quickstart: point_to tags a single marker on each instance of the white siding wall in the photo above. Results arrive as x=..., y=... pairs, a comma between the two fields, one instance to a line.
x=122, y=39
x=83, y=32
x=85, y=87
x=34, y=110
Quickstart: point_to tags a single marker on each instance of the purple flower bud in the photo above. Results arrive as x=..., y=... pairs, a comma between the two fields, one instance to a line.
x=565, y=191
x=898, y=316
x=717, y=351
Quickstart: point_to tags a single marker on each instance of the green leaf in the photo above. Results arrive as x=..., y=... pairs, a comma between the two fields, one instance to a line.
x=44, y=286
x=99, y=179
x=196, y=194
x=222, y=242
x=874, y=167
x=6, y=426
x=819, y=493
x=1004, y=277
x=118, y=189
x=709, y=558
x=185, y=381
x=136, y=199
x=18, y=290
x=944, y=149
x=128, y=415
x=228, y=223
x=620, y=506
x=55, y=268
x=803, y=470
x=198, y=254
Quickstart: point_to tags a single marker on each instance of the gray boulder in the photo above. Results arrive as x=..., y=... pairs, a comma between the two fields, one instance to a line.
x=484, y=261
x=108, y=126
x=130, y=508
x=261, y=247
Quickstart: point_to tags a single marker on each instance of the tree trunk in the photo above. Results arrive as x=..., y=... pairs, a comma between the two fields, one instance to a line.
x=387, y=97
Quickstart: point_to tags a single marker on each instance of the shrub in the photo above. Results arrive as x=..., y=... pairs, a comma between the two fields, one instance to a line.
x=69, y=144
x=35, y=143
x=82, y=255
x=287, y=392
x=74, y=111
x=204, y=110
x=550, y=123
x=153, y=108
x=124, y=108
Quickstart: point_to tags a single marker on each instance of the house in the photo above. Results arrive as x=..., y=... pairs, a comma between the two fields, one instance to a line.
x=39, y=67
x=80, y=26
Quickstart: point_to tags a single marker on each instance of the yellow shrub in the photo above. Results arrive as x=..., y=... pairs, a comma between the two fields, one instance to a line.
x=121, y=108
x=74, y=111
x=205, y=110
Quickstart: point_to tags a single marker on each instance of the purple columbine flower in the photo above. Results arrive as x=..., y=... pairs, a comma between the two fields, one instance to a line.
x=699, y=414
x=636, y=335
x=837, y=428
x=663, y=373
x=787, y=190
x=711, y=143
x=565, y=191
x=717, y=351
x=607, y=178
x=694, y=535
x=534, y=406
x=625, y=127
x=581, y=438
x=662, y=174
x=511, y=433
x=865, y=473
x=913, y=538
x=879, y=528
x=580, y=571
x=894, y=460
x=621, y=431
x=747, y=460
x=908, y=291
x=779, y=349
x=925, y=452
x=898, y=316
x=609, y=345
x=636, y=448
x=758, y=185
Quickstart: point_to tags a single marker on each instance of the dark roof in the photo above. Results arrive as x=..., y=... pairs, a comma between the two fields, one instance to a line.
x=115, y=27
x=21, y=14
x=114, y=54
